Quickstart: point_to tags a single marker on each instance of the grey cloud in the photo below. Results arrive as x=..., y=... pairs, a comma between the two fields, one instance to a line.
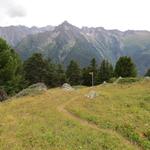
x=12, y=9
x=16, y=11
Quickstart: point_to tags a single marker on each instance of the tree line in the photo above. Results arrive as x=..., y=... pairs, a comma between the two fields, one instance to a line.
x=16, y=75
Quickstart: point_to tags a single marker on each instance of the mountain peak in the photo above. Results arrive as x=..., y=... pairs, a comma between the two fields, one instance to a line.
x=65, y=23
x=65, y=26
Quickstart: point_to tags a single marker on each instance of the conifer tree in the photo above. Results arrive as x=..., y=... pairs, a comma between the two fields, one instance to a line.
x=10, y=68
x=59, y=75
x=36, y=69
x=105, y=71
x=86, y=73
x=86, y=77
x=125, y=67
x=73, y=73
x=147, y=73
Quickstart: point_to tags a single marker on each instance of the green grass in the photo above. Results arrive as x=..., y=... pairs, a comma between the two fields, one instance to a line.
x=121, y=108
x=121, y=112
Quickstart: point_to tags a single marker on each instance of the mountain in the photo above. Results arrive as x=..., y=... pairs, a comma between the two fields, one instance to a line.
x=14, y=34
x=65, y=42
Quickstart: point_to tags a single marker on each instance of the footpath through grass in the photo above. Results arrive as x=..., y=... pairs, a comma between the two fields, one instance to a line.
x=121, y=108
x=35, y=123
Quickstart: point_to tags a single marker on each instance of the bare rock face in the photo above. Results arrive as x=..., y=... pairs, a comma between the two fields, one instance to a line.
x=67, y=87
x=3, y=95
x=92, y=95
x=33, y=90
x=14, y=34
x=60, y=43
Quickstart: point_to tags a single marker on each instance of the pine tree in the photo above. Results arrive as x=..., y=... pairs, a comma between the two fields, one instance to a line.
x=51, y=77
x=86, y=77
x=125, y=67
x=10, y=68
x=37, y=69
x=148, y=73
x=105, y=71
x=59, y=75
x=86, y=73
x=93, y=69
x=73, y=73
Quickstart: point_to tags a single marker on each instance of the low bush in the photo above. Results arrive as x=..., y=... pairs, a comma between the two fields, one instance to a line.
x=128, y=80
x=3, y=95
x=147, y=134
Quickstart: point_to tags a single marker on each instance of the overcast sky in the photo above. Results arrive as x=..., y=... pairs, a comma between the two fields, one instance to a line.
x=110, y=14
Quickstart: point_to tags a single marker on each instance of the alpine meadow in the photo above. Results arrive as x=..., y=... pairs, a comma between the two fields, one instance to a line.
x=67, y=86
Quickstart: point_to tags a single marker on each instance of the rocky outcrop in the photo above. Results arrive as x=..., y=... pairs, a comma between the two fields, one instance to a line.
x=33, y=90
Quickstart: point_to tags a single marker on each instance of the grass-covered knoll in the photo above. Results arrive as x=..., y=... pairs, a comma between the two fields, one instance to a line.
x=124, y=108
x=121, y=114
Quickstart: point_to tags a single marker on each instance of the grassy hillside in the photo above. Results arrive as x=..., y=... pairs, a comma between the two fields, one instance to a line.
x=118, y=119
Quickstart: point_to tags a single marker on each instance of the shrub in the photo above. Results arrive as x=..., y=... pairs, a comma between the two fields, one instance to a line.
x=3, y=95
x=112, y=80
x=147, y=134
x=128, y=80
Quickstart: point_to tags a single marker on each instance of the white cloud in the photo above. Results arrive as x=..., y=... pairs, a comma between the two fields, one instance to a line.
x=10, y=8
x=119, y=14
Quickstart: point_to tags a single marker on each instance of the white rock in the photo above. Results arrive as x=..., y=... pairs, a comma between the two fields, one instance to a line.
x=67, y=87
x=92, y=95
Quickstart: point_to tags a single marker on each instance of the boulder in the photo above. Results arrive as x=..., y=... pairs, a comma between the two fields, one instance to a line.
x=34, y=89
x=91, y=95
x=118, y=80
x=38, y=86
x=104, y=82
x=67, y=87
x=147, y=78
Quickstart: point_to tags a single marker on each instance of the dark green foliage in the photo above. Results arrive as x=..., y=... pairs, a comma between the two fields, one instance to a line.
x=37, y=69
x=10, y=68
x=129, y=132
x=148, y=73
x=93, y=68
x=51, y=76
x=86, y=76
x=128, y=80
x=147, y=134
x=125, y=67
x=59, y=75
x=105, y=72
x=3, y=95
x=73, y=73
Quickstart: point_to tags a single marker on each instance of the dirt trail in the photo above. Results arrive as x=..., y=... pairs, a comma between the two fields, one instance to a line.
x=83, y=122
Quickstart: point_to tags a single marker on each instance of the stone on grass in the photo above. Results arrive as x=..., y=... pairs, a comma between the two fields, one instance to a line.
x=147, y=78
x=67, y=87
x=91, y=95
x=104, y=82
x=32, y=90
x=38, y=86
x=118, y=80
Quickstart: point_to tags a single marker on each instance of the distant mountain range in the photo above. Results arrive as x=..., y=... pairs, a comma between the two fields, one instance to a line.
x=66, y=42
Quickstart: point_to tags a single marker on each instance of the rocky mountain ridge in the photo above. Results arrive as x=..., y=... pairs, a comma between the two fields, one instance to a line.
x=65, y=42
